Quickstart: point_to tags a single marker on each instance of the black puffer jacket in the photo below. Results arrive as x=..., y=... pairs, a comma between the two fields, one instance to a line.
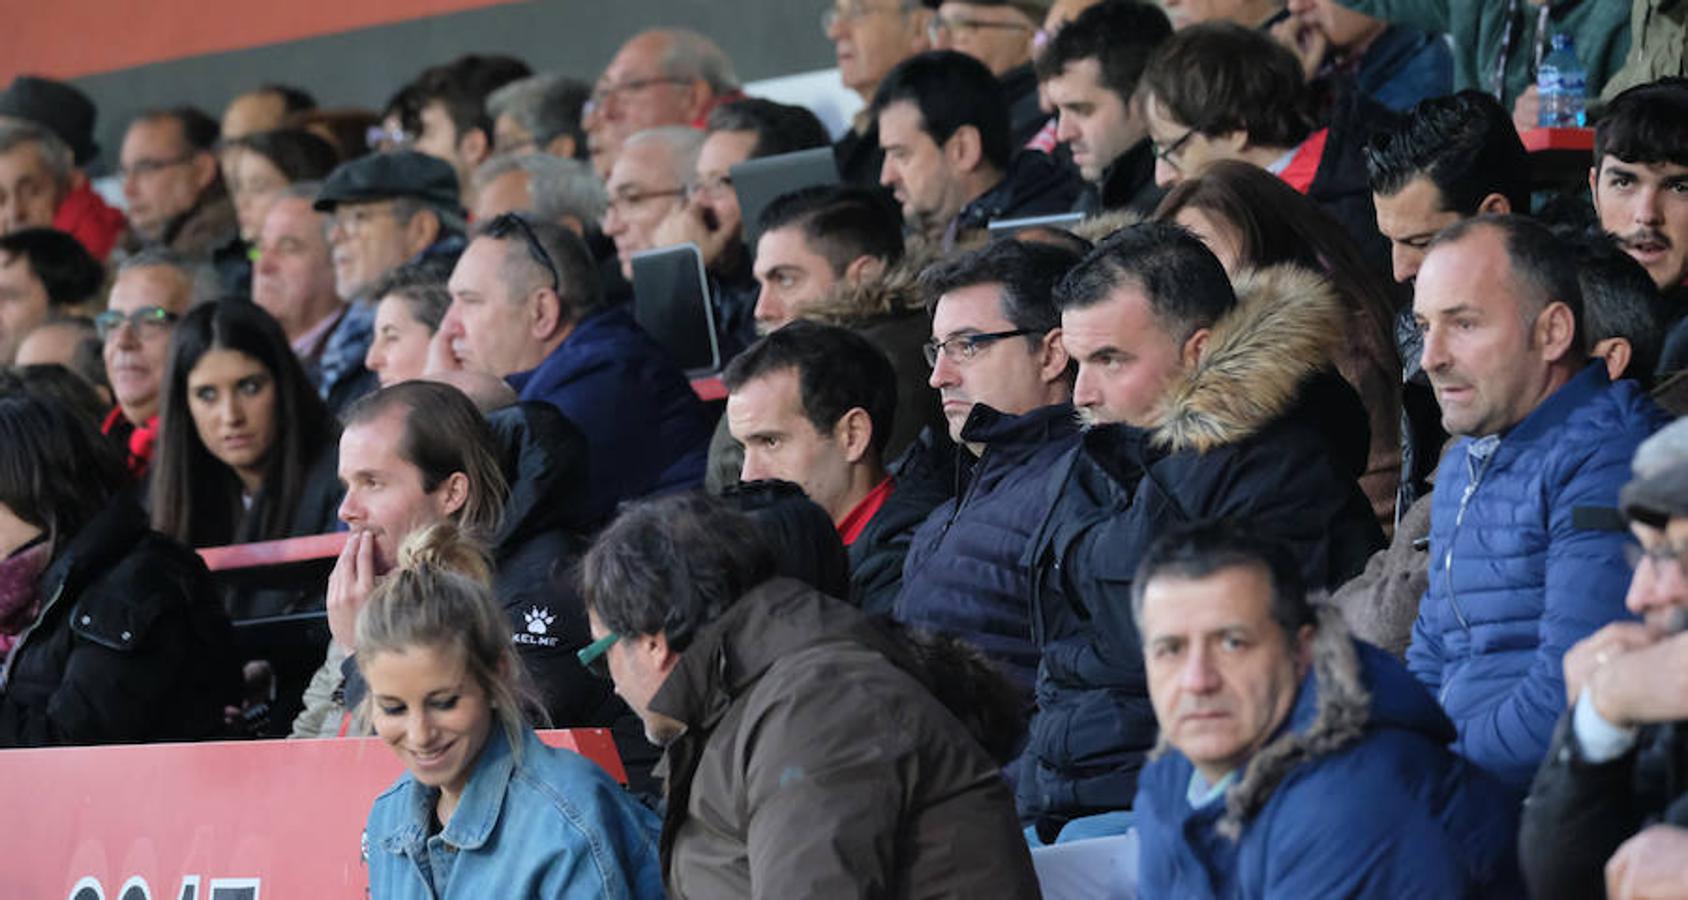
x=131, y=644
x=538, y=540
x=965, y=574
x=1034, y=185
x=1257, y=432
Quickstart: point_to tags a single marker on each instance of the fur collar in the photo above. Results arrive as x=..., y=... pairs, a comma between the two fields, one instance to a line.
x=896, y=293
x=1342, y=712
x=1282, y=331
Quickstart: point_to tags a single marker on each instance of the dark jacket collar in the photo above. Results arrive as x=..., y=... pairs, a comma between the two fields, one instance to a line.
x=1013, y=433
x=107, y=538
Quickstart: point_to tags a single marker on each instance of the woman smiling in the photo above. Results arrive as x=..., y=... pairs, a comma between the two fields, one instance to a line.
x=486, y=809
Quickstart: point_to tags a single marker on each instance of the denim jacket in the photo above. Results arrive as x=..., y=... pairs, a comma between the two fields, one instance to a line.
x=552, y=825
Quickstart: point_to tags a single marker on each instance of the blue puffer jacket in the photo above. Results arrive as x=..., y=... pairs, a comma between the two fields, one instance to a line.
x=646, y=432
x=1375, y=806
x=1520, y=568
x=1519, y=572
x=964, y=573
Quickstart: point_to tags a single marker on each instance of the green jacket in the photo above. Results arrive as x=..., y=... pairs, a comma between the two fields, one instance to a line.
x=1658, y=45
x=1598, y=27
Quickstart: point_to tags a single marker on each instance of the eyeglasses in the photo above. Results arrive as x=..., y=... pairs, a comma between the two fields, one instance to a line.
x=601, y=97
x=1166, y=153
x=148, y=320
x=853, y=12
x=964, y=347
x=709, y=187
x=145, y=167
x=1661, y=555
x=592, y=656
x=939, y=26
x=354, y=219
x=624, y=204
x=513, y=223
x=382, y=138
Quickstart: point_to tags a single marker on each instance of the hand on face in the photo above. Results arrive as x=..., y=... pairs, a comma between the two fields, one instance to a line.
x=444, y=348
x=1599, y=648
x=1644, y=685
x=1304, y=39
x=349, y=586
x=691, y=224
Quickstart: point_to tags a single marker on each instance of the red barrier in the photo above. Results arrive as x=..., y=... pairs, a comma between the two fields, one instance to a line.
x=236, y=821
x=1540, y=140
x=274, y=553
x=709, y=387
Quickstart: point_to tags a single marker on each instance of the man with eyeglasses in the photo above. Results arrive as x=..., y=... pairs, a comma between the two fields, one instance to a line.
x=1220, y=91
x=949, y=160
x=385, y=209
x=647, y=185
x=44, y=275
x=1004, y=382
x=526, y=306
x=1604, y=810
x=175, y=195
x=658, y=78
x=741, y=130
x=443, y=113
x=998, y=33
x=1089, y=72
x=869, y=38
x=153, y=289
x=1161, y=340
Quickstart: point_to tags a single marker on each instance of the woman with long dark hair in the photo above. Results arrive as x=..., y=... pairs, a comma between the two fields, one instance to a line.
x=1251, y=219
x=111, y=633
x=247, y=450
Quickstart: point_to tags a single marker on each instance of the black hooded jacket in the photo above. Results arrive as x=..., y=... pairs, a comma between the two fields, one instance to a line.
x=131, y=644
x=1260, y=432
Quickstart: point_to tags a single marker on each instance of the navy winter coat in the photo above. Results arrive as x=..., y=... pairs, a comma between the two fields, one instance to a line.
x=1280, y=453
x=645, y=429
x=1381, y=807
x=1520, y=570
x=964, y=574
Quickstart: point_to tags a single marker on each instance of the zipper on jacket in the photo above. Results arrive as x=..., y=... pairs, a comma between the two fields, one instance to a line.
x=1471, y=486
x=6, y=673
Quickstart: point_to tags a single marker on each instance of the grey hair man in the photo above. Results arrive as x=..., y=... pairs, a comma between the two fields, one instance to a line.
x=659, y=77
x=553, y=188
x=540, y=114
x=648, y=183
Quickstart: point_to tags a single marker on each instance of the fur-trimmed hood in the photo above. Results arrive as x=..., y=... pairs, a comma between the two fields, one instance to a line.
x=1281, y=333
x=896, y=293
x=1352, y=687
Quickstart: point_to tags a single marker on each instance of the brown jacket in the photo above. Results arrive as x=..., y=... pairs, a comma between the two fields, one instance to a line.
x=816, y=764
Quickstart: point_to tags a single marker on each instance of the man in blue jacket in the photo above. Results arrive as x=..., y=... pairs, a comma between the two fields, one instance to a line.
x=526, y=306
x=1004, y=381
x=1526, y=548
x=1297, y=761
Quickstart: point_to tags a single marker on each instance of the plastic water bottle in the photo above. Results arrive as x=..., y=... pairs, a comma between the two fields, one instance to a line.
x=1563, y=86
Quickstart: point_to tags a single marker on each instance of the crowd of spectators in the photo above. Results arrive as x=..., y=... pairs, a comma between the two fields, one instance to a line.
x=1198, y=430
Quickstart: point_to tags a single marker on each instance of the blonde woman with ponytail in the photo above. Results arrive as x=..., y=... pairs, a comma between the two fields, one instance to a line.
x=486, y=809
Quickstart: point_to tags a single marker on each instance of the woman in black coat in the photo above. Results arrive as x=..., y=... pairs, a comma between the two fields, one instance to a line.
x=113, y=633
x=247, y=450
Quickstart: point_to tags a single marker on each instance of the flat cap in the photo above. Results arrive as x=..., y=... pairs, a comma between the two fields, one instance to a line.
x=1659, y=490
x=57, y=107
x=385, y=176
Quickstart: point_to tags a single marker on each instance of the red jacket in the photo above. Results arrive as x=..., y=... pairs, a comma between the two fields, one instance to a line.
x=85, y=216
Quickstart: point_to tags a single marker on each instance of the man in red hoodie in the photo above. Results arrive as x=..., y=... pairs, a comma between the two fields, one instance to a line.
x=46, y=137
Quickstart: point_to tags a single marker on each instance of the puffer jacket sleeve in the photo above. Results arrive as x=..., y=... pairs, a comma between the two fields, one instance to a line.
x=1424, y=653
x=1586, y=579
x=1349, y=847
